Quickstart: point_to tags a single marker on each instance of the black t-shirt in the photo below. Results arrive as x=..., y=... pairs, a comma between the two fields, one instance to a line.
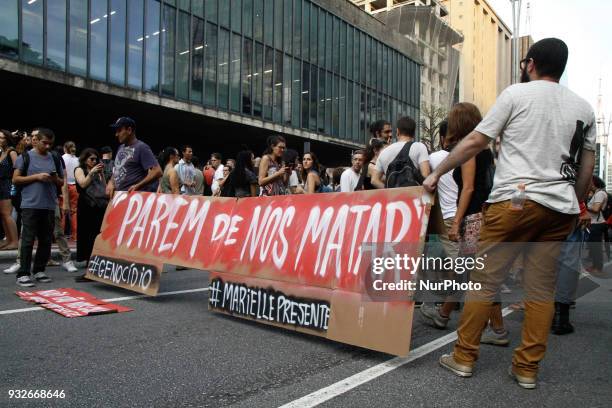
x=484, y=161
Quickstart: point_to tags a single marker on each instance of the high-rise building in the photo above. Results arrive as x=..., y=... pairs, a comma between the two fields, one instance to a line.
x=215, y=74
x=423, y=24
x=486, y=64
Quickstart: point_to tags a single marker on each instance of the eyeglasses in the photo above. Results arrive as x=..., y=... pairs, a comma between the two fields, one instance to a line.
x=523, y=63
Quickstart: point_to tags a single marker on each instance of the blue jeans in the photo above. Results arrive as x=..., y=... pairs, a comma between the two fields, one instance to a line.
x=569, y=267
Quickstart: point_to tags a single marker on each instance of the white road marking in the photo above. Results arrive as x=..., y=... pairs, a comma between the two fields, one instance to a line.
x=347, y=384
x=119, y=299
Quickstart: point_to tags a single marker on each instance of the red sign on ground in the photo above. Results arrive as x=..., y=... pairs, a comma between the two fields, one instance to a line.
x=71, y=303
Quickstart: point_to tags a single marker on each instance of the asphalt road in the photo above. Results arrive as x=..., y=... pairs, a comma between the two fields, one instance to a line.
x=172, y=352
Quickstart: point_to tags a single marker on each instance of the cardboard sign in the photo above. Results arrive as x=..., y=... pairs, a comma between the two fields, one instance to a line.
x=299, y=262
x=71, y=303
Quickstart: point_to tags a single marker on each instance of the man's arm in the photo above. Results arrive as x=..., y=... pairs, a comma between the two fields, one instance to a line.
x=585, y=173
x=153, y=174
x=20, y=180
x=377, y=179
x=469, y=147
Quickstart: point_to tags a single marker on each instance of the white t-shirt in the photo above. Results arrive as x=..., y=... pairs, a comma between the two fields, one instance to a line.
x=349, y=180
x=538, y=122
x=294, y=181
x=447, y=188
x=418, y=154
x=600, y=196
x=71, y=162
x=218, y=176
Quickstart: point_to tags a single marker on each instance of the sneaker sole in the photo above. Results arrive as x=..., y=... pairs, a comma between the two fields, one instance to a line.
x=527, y=386
x=26, y=285
x=432, y=321
x=501, y=343
x=455, y=371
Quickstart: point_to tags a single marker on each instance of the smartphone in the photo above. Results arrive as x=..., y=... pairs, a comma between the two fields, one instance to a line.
x=53, y=174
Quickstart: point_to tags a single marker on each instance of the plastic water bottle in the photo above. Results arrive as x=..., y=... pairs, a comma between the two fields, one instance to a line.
x=518, y=198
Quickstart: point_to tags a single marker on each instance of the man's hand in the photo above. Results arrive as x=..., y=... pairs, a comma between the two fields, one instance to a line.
x=133, y=188
x=453, y=233
x=44, y=177
x=431, y=182
x=584, y=219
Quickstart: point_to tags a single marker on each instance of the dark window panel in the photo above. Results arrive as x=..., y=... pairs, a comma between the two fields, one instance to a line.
x=342, y=48
x=210, y=7
x=268, y=74
x=247, y=17
x=297, y=28
x=313, y=97
x=321, y=101
x=328, y=41
x=224, y=39
x=236, y=11
x=9, y=29
x=258, y=20
x=296, y=92
x=350, y=53
x=184, y=5
x=321, y=39
x=278, y=86
x=328, y=102
x=278, y=24
x=183, y=53
x=314, y=31
x=342, y=103
x=336, y=107
x=269, y=22
x=349, y=135
x=135, y=42
x=32, y=31
x=247, y=76
x=197, y=59
x=363, y=58
x=210, y=65
x=224, y=13
x=287, y=84
x=56, y=34
x=78, y=37
x=336, y=45
x=117, y=42
x=288, y=25
x=170, y=2
x=168, y=33
x=258, y=80
x=363, y=120
x=98, y=24
x=151, y=41
x=305, y=94
x=197, y=7
x=306, y=32
x=235, y=62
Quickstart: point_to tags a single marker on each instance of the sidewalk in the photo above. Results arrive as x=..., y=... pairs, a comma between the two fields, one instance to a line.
x=11, y=255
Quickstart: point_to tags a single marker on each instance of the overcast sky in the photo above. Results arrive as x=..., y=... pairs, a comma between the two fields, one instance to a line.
x=586, y=28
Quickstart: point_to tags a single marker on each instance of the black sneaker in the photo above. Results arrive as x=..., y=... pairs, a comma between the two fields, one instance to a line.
x=25, y=281
x=42, y=277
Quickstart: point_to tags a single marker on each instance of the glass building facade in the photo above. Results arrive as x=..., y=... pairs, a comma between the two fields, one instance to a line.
x=289, y=62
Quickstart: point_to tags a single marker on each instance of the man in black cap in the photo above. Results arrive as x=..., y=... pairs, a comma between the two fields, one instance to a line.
x=136, y=167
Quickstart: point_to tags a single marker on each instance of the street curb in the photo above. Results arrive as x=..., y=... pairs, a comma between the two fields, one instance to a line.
x=12, y=254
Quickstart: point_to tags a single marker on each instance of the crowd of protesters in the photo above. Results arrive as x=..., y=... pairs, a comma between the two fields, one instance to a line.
x=504, y=178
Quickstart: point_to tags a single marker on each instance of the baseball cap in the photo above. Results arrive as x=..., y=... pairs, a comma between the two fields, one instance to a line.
x=124, y=121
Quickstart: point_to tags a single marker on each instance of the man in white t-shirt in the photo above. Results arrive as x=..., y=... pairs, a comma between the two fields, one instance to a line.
x=186, y=171
x=215, y=162
x=406, y=128
x=350, y=177
x=71, y=199
x=547, y=146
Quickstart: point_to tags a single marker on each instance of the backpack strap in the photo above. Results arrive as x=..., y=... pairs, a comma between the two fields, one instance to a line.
x=26, y=163
x=404, y=154
x=58, y=164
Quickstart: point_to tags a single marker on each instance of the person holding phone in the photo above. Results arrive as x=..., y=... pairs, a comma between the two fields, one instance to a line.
x=92, y=202
x=39, y=176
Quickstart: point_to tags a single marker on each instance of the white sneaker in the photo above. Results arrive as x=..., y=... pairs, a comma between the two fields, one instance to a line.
x=25, y=281
x=42, y=277
x=14, y=268
x=69, y=266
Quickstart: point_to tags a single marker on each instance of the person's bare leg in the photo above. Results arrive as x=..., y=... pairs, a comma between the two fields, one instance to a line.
x=8, y=223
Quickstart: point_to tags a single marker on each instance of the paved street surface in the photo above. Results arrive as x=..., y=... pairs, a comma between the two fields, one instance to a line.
x=172, y=352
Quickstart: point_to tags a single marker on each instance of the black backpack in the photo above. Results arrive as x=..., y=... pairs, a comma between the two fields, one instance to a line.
x=401, y=171
x=16, y=201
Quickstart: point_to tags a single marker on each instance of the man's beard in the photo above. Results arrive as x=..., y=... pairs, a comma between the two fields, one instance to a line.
x=524, y=75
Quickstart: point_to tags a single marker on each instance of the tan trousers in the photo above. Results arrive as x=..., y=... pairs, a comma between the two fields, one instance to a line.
x=537, y=232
